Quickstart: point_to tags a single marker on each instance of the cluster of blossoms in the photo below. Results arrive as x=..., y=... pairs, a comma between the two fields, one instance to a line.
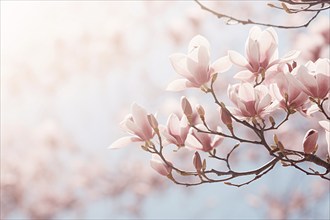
x=268, y=82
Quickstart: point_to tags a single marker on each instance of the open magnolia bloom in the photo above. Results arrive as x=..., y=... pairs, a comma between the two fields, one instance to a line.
x=251, y=102
x=176, y=130
x=195, y=67
x=137, y=125
x=314, y=78
x=326, y=126
x=202, y=141
x=287, y=91
x=261, y=54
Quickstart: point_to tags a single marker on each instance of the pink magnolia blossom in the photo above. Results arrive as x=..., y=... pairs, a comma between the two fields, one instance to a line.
x=251, y=102
x=310, y=141
x=261, y=52
x=326, y=126
x=287, y=86
x=157, y=164
x=314, y=78
x=203, y=141
x=176, y=130
x=137, y=125
x=195, y=67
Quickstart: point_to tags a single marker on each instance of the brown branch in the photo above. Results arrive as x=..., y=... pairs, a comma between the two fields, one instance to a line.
x=249, y=21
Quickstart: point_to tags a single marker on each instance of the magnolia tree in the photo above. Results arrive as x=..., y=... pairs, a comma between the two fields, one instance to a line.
x=270, y=91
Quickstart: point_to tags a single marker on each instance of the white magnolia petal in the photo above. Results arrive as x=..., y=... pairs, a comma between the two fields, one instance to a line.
x=323, y=66
x=192, y=142
x=325, y=125
x=237, y=58
x=221, y=65
x=307, y=81
x=203, y=57
x=312, y=109
x=141, y=120
x=291, y=55
x=178, y=85
x=198, y=41
x=173, y=124
x=253, y=52
x=245, y=76
x=179, y=63
x=246, y=92
x=264, y=102
x=124, y=141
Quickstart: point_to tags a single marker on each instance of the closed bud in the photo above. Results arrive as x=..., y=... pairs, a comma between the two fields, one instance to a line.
x=275, y=139
x=204, y=165
x=197, y=161
x=271, y=120
x=225, y=116
x=310, y=141
x=153, y=122
x=201, y=112
x=186, y=107
x=280, y=146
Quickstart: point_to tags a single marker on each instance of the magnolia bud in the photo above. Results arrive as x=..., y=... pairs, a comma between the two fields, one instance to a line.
x=197, y=161
x=275, y=139
x=310, y=141
x=201, y=112
x=225, y=116
x=272, y=121
x=161, y=167
x=186, y=107
x=153, y=122
x=204, y=165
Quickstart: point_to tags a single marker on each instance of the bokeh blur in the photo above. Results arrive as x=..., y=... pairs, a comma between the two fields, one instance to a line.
x=69, y=73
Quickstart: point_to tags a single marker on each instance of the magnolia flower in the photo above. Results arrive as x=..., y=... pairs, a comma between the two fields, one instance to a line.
x=137, y=125
x=288, y=92
x=326, y=126
x=310, y=141
x=250, y=102
x=195, y=67
x=314, y=78
x=203, y=141
x=261, y=52
x=176, y=130
x=160, y=166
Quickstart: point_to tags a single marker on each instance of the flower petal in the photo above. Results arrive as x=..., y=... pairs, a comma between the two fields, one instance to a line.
x=244, y=75
x=291, y=55
x=179, y=63
x=192, y=142
x=198, y=41
x=124, y=141
x=221, y=65
x=237, y=59
x=178, y=85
